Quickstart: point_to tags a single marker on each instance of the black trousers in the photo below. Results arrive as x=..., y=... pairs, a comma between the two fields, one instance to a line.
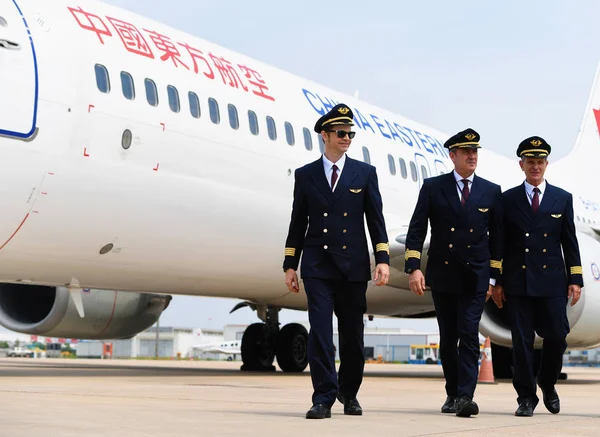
x=458, y=317
x=548, y=317
x=348, y=301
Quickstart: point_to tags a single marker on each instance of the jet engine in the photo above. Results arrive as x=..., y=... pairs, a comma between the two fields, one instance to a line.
x=51, y=312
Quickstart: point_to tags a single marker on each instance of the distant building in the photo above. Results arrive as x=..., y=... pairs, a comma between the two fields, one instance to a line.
x=585, y=358
x=172, y=343
x=393, y=345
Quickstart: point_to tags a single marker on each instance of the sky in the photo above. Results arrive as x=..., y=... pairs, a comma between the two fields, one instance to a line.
x=508, y=69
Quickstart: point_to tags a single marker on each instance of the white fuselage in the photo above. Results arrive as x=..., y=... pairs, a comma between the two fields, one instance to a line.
x=191, y=207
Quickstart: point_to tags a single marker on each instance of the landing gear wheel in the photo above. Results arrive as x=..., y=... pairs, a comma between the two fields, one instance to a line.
x=258, y=351
x=292, y=348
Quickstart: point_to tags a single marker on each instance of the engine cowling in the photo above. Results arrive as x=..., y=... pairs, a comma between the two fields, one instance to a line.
x=584, y=317
x=50, y=311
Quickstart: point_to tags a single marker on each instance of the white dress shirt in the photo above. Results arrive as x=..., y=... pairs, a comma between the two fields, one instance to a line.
x=459, y=187
x=328, y=166
x=459, y=183
x=529, y=191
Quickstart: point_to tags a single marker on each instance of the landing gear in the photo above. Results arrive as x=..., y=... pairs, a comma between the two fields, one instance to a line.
x=292, y=346
x=259, y=340
x=263, y=341
x=258, y=350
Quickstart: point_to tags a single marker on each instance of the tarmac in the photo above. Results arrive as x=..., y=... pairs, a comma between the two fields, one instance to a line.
x=131, y=398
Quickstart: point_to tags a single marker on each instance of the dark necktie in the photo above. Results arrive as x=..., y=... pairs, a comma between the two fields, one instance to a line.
x=535, y=201
x=465, y=192
x=334, y=176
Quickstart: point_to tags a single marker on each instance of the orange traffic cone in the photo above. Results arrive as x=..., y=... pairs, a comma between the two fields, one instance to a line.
x=486, y=369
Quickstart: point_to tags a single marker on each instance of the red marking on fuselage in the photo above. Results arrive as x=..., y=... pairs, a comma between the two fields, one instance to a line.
x=156, y=168
x=597, y=115
x=15, y=233
x=85, y=153
x=90, y=107
x=163, y=126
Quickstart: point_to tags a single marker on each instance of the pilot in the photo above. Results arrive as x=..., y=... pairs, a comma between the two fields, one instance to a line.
x=536, y=281
x=465, y=213
x=332, y=197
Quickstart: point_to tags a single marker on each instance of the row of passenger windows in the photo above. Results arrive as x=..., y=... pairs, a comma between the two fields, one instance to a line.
x=583, y=219
x=151, y=91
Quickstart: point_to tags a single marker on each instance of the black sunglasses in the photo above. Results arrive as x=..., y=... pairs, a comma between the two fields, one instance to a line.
x=342, y=133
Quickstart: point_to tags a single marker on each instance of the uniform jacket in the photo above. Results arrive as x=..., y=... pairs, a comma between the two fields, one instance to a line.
x=335, y=245
x=533, y=259
x=466, y=244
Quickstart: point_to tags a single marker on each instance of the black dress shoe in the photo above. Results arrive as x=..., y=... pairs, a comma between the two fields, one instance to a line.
x=318, y=411
x=551, y=399
x=525, y=409
x=466, y=407
x=351, y=406
x=450, y=405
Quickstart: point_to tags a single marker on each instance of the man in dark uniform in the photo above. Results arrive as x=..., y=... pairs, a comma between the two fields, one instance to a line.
x=332, y=196
x=536, y=281
x=463, y=263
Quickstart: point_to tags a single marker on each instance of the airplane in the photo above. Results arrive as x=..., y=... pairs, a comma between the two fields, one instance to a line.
x=139, y=162
x=226, y=348
x=207, y=344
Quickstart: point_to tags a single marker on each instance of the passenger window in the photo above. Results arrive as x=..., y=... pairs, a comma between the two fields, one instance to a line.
x=213, y=108
x=289, y=134
x=321, y=143
x=424, y=172
x=173, y=98
x=234, y=121
x=413, y=171
x=253, y=122
x=366, y=155
x=127, y=85
x=392, y=162
x=151, y=92
x=271, y=129
x=194, y=104
x=403, y=171
x=307, y=139
x=102, y=79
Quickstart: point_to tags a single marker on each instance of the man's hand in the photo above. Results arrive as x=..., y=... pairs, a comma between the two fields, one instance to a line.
x=498, y=296
x=489, y=292
x=291, y=280
x=382, y=274
x=416, y=282
x=575, y=291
